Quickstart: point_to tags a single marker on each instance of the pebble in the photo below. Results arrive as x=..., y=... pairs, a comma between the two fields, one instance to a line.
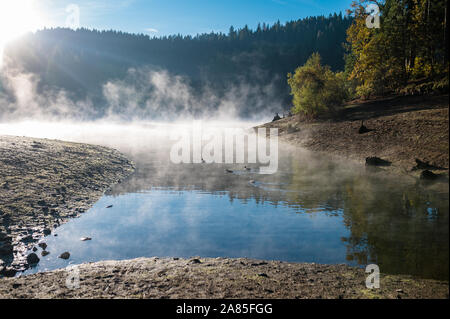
x=32, y=259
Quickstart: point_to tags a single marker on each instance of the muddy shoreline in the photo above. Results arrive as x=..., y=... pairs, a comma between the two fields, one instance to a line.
x=43, y=184
x=208, y=278
x=401, y=130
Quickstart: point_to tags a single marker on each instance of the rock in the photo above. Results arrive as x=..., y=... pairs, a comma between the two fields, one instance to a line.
x=276, y=117
x=85, y=238
x=109, y=206
x=42, y=245
x=47, y=231
x=6, y=247
x=429, y=175
x=44, y=253
x=42, y=203
x=424, y=165
x=259, y=264
x=376, y=161
x=363, y=129
x=27, y=238
x=263, y=275
x=195, y=261
x=34, y=249
x=8, y=272
x=65, y=255
x=32, y=259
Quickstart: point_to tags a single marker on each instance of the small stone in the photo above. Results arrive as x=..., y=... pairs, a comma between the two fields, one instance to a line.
x=263, y=275
x=42, y=245
x=8, y=272
x=42, y=203
x=195, y=261
x=47, y=231
x=34, y=249
x=85, y=238
x=32, y=259
x=44, y=253
x=376, y=161
x=109, y=206
x=65, y=255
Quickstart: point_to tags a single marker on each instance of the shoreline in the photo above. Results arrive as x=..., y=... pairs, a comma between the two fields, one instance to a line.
x=401, y=130
x=43, y=184
x=216, y=278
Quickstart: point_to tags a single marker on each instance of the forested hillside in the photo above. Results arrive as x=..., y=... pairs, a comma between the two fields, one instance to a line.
x=81, y=62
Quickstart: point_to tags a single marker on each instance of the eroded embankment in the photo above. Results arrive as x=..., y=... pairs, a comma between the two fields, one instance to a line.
x=400, y=130
x=44, y=183
x=214, y=278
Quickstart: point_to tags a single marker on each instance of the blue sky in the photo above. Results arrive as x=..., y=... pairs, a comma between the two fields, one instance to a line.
x=164, y=17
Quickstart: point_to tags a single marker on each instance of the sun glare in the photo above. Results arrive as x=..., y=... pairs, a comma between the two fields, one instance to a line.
x=17, y=17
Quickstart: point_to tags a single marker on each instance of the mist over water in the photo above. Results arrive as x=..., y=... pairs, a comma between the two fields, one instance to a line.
x=313, y=209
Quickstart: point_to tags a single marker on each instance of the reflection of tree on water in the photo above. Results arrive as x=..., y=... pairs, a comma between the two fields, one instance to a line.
x=403, y=230
x=395, y=223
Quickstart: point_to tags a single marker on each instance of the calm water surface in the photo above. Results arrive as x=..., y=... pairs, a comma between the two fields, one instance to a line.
x=312, y=210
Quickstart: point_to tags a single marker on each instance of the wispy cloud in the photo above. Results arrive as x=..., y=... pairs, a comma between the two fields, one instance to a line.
x=152, y=30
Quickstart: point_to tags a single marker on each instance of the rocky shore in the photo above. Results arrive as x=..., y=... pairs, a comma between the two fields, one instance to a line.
x=44, y=183
x=215, y=278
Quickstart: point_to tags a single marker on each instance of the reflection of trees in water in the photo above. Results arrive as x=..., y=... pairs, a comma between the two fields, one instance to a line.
x=394, y=227
x=389, y=220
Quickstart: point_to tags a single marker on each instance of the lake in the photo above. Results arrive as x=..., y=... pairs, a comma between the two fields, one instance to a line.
x=313, y=209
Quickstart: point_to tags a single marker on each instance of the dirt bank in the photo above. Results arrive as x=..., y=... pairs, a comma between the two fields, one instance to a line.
x=44, y=183
x=214, y=278
x=401, y=130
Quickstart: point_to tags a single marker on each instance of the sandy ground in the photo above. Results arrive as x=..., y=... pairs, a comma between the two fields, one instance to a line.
x=215, y=278
x=44, y=183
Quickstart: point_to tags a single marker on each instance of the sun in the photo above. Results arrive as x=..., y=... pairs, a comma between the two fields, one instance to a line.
x=17, y=17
